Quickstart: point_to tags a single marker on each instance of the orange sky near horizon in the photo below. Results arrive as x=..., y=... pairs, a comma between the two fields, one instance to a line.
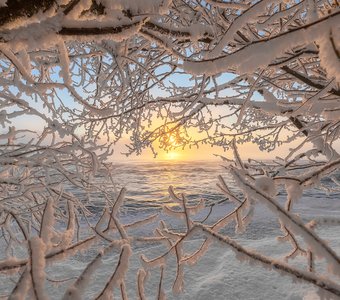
x=204, y=152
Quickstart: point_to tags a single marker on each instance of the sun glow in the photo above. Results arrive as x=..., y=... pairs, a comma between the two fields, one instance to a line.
x=172, y=140
x=172, y=155
x=170, y=143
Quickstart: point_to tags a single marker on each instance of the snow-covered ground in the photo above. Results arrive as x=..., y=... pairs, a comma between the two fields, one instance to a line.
x=219, y=274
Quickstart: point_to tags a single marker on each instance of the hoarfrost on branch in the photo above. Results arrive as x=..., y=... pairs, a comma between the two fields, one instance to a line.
x=90, y=72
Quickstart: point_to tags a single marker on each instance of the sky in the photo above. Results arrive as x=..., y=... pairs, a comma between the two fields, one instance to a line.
x=204, y=152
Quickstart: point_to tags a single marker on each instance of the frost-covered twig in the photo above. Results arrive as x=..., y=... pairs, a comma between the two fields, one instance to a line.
x=119, y=273
x=243, y=253
x=294, y=223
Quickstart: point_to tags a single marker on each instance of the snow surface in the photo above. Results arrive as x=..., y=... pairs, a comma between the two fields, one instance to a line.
x=218, y=274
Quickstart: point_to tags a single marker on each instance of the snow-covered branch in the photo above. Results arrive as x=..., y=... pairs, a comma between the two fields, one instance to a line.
x=77, y=76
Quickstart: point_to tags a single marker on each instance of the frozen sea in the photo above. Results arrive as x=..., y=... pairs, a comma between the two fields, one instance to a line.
x=218, y=275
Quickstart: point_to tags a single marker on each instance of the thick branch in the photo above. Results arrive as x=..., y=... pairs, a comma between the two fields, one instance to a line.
x=15, y=9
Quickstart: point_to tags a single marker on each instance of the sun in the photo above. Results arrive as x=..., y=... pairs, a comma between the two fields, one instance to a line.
x=172, y=155
x=172, y=140
x=170, y=144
